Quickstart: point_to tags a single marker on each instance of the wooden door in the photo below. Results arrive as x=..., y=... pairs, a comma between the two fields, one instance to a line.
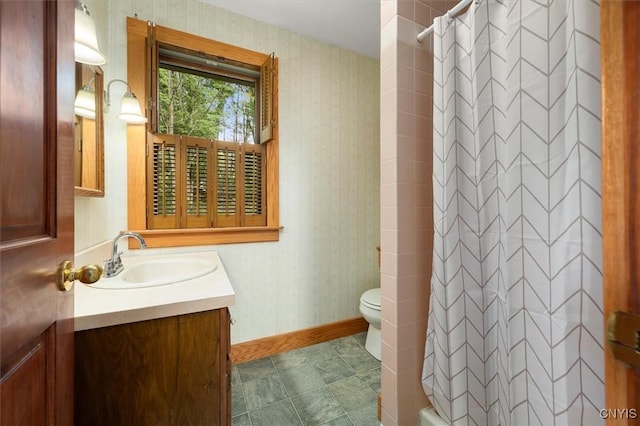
x=36, y=211
x=620, y=47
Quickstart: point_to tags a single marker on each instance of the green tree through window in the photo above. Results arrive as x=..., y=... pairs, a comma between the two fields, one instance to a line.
x=206, y=106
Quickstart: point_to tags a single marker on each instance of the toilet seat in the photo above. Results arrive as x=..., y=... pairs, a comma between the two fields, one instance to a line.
x=371, y=299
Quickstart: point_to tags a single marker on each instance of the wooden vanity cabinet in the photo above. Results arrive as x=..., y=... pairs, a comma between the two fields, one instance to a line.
x=167, y=371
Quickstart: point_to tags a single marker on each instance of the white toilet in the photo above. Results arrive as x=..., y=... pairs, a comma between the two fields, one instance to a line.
x=370, y=309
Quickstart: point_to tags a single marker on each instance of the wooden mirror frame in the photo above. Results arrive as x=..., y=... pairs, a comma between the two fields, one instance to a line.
x=88, y=161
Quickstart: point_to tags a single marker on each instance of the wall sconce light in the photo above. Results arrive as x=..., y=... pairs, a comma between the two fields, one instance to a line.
x=85, y=103
x=86, y=41
x=130, y=111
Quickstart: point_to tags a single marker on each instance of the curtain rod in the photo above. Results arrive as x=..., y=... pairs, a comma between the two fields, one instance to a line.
x=450, y=14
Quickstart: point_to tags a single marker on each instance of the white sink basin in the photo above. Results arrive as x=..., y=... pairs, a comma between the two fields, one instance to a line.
x=167, y=271
x=139, y=272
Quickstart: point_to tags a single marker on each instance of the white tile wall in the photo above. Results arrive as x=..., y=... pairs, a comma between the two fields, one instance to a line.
x=329, y=170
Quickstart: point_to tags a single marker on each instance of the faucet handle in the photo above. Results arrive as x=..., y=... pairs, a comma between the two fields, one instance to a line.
x=113, y=266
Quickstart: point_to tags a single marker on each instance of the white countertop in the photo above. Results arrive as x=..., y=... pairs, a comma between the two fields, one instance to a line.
x=98, y=307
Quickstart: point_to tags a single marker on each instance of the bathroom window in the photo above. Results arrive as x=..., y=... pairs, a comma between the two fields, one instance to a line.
x=210, y=149
x=208, y=166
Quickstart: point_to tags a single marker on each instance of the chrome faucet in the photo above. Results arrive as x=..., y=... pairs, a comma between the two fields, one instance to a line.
x=113, y=266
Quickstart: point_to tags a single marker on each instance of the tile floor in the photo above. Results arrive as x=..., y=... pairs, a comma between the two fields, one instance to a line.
x=332, y=383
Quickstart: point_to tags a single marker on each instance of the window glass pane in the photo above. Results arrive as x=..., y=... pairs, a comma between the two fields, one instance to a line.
x=206, y=105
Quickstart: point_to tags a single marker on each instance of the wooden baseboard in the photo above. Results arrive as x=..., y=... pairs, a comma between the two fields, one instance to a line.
x=267, y=346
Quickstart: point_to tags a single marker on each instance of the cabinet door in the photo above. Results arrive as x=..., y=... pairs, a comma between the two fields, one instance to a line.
x=168, y=371
x=202, y=377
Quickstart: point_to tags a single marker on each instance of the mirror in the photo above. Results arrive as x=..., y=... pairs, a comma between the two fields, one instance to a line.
x=89, y=136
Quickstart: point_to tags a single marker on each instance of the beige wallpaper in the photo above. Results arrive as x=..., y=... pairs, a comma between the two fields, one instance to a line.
x=329, y=171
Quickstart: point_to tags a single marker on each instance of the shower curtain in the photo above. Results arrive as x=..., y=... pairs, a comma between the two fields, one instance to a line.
x=515, y=333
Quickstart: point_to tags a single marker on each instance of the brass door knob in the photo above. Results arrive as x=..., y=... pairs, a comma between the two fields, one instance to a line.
x=623, y=334
x=88, y=274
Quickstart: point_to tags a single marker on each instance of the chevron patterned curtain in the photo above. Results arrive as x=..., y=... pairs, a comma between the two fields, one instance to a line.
x=515, y=334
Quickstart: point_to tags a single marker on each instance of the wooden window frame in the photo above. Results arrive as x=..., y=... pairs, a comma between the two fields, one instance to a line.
x=138, y=57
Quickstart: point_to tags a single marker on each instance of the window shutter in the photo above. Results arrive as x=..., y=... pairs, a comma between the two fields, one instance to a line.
x=267, y=82
x=152, y=77
x=253, y=162
x=163, y=188
x=226, y=165
x=197, y=182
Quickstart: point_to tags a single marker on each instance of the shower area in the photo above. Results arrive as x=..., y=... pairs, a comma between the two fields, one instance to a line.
x=491, y=238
